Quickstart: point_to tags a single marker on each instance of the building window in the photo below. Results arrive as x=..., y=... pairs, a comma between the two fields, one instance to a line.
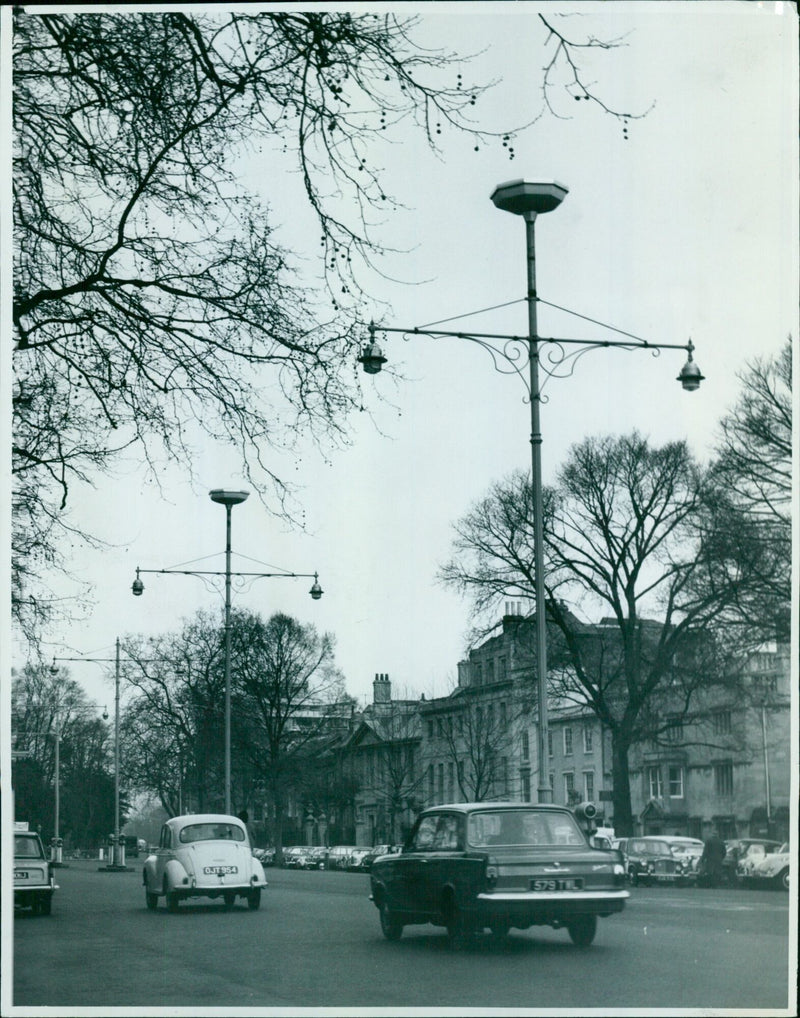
x=431, y=788
x=430, y=729
x=490, y=716
x=478, y=673
x=674, y=730
x=501, y=668
x=549, y=741
x=588, y=785
x=441, y=782
x=676, y=782
x=552, y=781
x=654, y=782
x=525, y=747
x=439, y=727
x=567, y=741
x=450, y=783
x=587, y=739
x=723, y=779
x=460, y=770
x=721, y=722
x=526, y=786
x=503, y=716
x=569, y=786
x=504, y=775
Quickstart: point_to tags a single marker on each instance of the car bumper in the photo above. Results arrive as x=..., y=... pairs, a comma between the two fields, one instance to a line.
x=551, y=903
x=26, y=895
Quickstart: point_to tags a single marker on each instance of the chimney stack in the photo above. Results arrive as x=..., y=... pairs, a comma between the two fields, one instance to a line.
x=381, y=688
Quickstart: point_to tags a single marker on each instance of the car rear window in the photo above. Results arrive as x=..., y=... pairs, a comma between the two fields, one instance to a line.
x=523, y=827
x=211, y=832
x=28, y=848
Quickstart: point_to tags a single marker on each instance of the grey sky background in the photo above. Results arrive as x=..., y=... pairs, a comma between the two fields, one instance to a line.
x=686, y=228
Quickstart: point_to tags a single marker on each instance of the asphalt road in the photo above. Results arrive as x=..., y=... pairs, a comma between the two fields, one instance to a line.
x=316, y=942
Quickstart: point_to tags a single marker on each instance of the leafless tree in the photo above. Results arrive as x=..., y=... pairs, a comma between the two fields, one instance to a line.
x=394, y=783
x=173, y=716
x=289, y=702
x=754, y=470
x=474, y=737
x=633, y=537
x=46, y=707
x=152, y=302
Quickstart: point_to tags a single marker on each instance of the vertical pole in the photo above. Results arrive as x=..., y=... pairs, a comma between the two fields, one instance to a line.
x=228, y=659
x=56, y=818
x=118, y=855
x=544, y=790
x=766, y=767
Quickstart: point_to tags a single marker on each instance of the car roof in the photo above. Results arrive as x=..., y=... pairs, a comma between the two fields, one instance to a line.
x=473, y=807
x=204, y=818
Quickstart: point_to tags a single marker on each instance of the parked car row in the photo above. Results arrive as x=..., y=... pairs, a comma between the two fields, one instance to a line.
x=654, y=859
x=355, y=858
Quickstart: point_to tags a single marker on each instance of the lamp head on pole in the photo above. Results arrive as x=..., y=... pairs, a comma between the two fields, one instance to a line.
x=225, y=497
x=316, y=590
x=521, y=197
x=690, y=376
x=137, y=587
x=54, y=668
x=372, y=356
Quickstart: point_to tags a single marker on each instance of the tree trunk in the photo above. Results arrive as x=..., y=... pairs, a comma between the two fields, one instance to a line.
x=623, y=814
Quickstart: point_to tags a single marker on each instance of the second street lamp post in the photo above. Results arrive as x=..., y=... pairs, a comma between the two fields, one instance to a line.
x=528, y=200
x=229, y=499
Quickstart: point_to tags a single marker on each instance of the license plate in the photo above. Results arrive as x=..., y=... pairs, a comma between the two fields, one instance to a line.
x=221, y=871
x=21, y=874
x=559, y=884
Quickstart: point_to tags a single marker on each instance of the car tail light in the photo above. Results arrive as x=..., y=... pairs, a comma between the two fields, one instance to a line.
x=491, y=872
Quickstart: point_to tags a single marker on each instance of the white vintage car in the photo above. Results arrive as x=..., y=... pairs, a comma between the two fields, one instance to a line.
x=773, y=868
x=203, y=855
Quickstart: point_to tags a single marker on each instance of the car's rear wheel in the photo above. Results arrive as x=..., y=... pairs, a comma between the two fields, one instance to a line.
x=172, y=901
x=391, y=927
x=44, y=904
x=582, y=930
x=782, y=879
x=500, y=929
x=151, y=900
x=254, y=899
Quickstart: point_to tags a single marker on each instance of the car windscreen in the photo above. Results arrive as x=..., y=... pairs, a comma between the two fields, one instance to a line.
x=28, y=848
x=523, y=827
x=211, y=832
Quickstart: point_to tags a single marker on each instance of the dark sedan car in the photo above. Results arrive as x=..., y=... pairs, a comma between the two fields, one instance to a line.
x=468, y=866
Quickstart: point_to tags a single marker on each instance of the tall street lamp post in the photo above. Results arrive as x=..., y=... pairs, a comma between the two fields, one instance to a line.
x=229, y=499
x=117, y=861
x=527, y=199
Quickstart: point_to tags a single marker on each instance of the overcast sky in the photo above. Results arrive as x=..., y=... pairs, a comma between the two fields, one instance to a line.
x=686, y=228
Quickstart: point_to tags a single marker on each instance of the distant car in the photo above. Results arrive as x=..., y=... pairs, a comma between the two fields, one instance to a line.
x=660, y=858
x=468, y=866
x=377, y=850
x=356, y=859
x=315, y=857
x=773, y=868
x=293, y=857
x=203, y=855
x=743, y=855
x=337, y=856
x=34, y=882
